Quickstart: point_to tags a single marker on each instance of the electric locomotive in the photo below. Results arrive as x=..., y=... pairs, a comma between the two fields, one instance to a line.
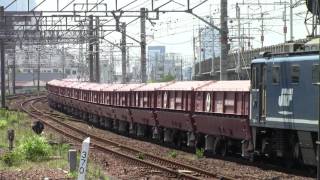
x=285, y=105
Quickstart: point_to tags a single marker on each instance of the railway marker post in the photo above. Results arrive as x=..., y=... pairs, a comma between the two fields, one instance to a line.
x=72, y=157
x=10, y=138
x=84, y=159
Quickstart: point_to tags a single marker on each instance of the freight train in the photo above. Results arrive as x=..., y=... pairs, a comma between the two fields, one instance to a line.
x=274, y=114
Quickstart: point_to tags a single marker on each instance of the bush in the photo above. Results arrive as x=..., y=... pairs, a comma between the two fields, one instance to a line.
x=3, y=123
x=140, y=156
x=3, y=112
x=12, y=117
x=73, y=174
x=173, y=154
x=60, y=149
x=12, y=158
x=199, y=153
x=35, y=148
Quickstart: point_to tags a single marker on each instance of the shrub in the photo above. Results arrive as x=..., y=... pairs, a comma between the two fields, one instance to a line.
x=12, y=158
x=173, y=154
x=61, y=149
x=35, y=148
x=2, y=112
x=3, y=123
x=72, y=174
x=199, y=153
x=12, y=117
x=140, y=156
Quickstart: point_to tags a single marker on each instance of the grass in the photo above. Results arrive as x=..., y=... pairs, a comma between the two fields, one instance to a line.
x=35, y=148
x=32, y=151
x=200, y=153
x=140, y=156
x=173, y=154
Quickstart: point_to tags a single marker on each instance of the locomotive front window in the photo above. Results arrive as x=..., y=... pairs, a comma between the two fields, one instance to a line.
x=295, y=74
x=315, y=73
x=275, y=74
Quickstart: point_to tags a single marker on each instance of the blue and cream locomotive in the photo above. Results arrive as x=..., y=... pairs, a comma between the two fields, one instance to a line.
x=285, y=105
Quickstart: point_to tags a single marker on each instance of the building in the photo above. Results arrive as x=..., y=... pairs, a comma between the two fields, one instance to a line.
x=156, y=62
x=187, y=73
x=174, y=65
x=209, y=43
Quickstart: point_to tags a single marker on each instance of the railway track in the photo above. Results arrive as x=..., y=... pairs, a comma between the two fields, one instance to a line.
x=172, y=168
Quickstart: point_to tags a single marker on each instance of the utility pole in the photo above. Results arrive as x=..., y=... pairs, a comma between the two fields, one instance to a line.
x=8, y=76
x=2, y=64
x=63, y=63
x=194, y=57
x=123, y=52
x=38, y=71
x=143, y=44
x=239, y=39
x=285, y=23
x=97, y=54
x=200, y=50
x=291, y=21
x=128, y=63
x=111, y=65
x=213, y=43
x=262, y=30
x=91, y=77
x=181, y=78
x=3, y=78
x=224, y=38
x=14, y=72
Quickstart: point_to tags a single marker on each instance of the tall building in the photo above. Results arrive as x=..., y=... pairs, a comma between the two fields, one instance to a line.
x=155, y=63
x=210, y=46
x=174, y=65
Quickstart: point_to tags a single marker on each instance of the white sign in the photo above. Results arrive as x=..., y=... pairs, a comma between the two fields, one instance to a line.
x=285, y=97
x=285, y=100
x=84, y=159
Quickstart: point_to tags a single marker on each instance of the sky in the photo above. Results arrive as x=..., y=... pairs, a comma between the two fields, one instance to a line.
x=21, y=5
x=176, y=30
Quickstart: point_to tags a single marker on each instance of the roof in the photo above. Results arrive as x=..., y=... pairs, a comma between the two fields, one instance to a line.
x=239, y=85
x=29, y=83
x=43, y=76
x=184, y=85
x=306, y=56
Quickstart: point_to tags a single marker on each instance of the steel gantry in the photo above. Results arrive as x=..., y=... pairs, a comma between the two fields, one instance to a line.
x=85, y=22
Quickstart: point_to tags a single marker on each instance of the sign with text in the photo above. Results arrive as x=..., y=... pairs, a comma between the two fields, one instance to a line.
x=84, y=159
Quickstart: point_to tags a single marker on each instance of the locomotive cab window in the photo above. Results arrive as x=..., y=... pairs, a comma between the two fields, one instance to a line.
x=315, y=73
x=275, y=74
x=295, y=74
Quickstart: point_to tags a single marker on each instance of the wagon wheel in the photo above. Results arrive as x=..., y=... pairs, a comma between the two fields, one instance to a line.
x=296, y=151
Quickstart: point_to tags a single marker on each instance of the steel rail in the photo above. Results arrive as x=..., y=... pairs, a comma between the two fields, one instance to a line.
x=166, y=165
